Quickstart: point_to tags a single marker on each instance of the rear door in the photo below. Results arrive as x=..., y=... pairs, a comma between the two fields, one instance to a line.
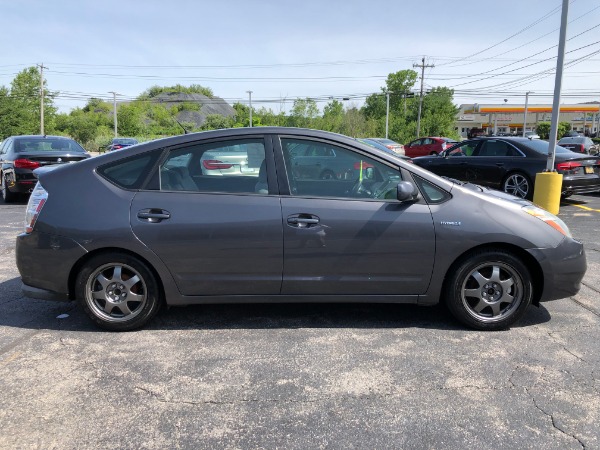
x=349, y=235
x=217, y=234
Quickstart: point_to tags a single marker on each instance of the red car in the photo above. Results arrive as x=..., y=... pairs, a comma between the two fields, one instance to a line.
x=428, y=146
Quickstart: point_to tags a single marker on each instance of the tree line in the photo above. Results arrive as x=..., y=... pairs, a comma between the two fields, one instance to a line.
x=144, y=118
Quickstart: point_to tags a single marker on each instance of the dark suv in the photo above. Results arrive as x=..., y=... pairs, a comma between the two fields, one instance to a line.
x=20, y=155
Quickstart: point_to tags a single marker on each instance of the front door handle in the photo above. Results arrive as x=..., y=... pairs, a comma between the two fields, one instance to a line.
x=153, y=215
x=302, y=220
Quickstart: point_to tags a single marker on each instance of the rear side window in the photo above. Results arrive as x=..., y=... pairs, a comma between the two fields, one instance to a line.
x=130, y=173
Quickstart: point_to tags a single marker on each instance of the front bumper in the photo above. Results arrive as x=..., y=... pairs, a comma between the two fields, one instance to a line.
x=563, y=269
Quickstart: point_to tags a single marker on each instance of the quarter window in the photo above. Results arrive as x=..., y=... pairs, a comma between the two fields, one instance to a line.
x=131, y=172
x=319, y=169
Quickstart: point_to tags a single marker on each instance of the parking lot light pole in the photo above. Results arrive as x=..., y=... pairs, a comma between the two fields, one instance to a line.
x=548, y=183
x=387, y=113
x=250, y=102
x=114, y=110
x=525, y=114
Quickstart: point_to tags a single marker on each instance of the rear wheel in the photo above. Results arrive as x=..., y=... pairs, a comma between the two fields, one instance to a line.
x=518, y=184
x=7, y=196
x=118, y=291
x=489, y=290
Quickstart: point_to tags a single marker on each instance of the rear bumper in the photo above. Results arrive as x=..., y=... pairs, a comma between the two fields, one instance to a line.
x=580, y=185
x=563, y=268
x=43, y=294
x=45, y=262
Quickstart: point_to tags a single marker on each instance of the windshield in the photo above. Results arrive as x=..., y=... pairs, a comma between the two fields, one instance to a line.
x=542, y=147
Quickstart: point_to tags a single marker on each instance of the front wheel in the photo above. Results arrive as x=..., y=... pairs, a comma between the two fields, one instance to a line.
x=489, y=290
x=519, y=185
x=118, y=291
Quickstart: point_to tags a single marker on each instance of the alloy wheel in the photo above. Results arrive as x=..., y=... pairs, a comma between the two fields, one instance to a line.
x=492, y=291
x=116, y=292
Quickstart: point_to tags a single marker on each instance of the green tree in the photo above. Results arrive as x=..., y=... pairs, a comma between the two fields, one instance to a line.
x=333, y=116
x=303, y=113
x=22, y=104
x=215, y=122
x=439, y=113
x=543, y=129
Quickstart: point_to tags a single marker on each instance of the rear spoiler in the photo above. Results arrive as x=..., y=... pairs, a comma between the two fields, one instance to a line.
x=42, y=170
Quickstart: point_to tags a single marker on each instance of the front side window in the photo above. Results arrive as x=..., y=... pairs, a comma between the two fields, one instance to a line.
x=322, y=170
x=237, y=166
x=465, y=149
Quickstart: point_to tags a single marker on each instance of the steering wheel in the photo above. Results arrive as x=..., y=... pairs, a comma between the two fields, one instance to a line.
x=360, y=190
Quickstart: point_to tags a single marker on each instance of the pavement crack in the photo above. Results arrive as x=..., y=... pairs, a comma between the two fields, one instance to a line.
x=555, y=425
x=564, y=347
x=587, y=308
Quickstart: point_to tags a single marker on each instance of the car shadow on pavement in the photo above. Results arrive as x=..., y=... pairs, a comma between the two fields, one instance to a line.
x=21, y=312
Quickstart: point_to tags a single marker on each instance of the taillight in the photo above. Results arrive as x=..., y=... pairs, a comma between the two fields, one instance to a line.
x=215, y=164
x=23, y=163
x=568, y=166
x=38, y=198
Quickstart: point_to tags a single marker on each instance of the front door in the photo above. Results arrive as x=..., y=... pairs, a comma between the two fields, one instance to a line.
x=349, y=235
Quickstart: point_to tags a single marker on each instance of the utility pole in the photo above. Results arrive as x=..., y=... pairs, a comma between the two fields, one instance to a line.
x=525, y=115
x=422, y=66
x=250, y=101
x=387, y=113
x=114, y=109
x=42, y=67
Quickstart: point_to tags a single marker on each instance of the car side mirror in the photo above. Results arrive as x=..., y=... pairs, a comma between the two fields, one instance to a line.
x=406, y=192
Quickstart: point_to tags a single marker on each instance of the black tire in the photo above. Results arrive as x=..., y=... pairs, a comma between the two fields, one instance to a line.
x=518, y=184
x=7, y=196
x=489, y=290
x=106, y=292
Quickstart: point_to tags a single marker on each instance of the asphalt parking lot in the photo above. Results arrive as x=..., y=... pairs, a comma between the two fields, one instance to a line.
x=301, y=376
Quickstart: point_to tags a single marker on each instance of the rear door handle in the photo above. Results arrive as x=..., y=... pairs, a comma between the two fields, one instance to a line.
x=153, y=215
x=499, y=164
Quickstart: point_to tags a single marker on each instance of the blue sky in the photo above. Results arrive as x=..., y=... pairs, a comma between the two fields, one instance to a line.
x=288, y=49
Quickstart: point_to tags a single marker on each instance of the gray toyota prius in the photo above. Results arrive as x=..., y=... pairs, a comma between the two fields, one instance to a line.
x=246, y=215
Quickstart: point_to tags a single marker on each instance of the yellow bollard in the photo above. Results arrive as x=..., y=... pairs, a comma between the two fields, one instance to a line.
x=546, y=193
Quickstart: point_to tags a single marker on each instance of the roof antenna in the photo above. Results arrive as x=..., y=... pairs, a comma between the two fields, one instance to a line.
x=179, y=123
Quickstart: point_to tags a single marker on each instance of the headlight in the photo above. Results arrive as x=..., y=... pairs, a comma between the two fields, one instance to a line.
x=550, y=219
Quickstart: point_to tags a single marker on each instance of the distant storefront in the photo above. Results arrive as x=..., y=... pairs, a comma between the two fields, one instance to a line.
x=509, y=119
